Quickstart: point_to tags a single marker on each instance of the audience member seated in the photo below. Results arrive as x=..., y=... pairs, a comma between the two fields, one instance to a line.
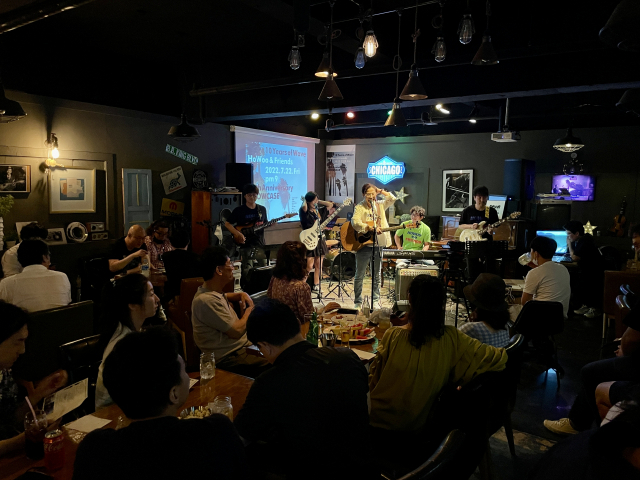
x=491, y=312
x=147, y=379
x=281, y=410
x=13, y=407
x=127, y=252
x=157, y=242
x=625, y=367
x=611, y=451
x=217, y=328
x=415, y=361
x=36, y=287
x=548, y=281
x=128, y=303
x=288, y=283
x=589, y=281
x=10, y=263
x=179, y=263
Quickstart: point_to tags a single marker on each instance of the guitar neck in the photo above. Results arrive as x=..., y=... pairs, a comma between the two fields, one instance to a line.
x=393, y=229
x=269, y=223
x=331, y=217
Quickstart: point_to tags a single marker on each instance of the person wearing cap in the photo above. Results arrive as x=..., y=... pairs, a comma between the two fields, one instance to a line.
x=491, y=313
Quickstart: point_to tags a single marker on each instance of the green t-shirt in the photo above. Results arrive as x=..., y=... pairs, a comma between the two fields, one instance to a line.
x=414, y=238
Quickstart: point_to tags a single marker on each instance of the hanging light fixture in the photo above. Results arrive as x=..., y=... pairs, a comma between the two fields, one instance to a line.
x=630, y=101
x=325, y=64
x=52, y=146
x=466, y=28
x=439, y=48
x=413, y=90
x=330, y=91
x=183, y=132
x=396, y=118
x=370, y=44
x=568, y=143
x=294, y=58
x=472, y=115
x=360, y=58
x=486, y=54
x=10, y=110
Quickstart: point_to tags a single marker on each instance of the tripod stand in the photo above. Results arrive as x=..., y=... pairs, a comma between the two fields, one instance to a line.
x=341, y=285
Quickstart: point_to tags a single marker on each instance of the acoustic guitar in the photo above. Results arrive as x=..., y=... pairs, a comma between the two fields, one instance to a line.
x=248, y=230
x=471, y=235
x=619, y=221
x=353, y=241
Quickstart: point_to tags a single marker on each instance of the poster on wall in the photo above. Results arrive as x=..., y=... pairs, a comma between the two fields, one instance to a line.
x=340, y=173
x=15, y=178
x=457, y=188
x=72, y=190
x=173, y=180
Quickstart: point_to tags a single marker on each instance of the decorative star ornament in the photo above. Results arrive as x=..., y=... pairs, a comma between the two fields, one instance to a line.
x=588, y=228
x=401, y=195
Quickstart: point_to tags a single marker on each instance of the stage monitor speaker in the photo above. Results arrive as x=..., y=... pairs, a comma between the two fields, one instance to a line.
x=519, y=178
x=405, y=276
x=239, y=174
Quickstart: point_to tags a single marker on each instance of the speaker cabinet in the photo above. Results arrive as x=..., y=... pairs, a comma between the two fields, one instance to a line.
x=239, y=174
x=519, y=178
x=406, y=275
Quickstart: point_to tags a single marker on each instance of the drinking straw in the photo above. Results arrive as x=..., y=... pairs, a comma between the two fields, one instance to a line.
x=31, y=407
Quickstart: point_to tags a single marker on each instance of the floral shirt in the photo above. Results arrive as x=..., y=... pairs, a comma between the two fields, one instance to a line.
x=295, y=293
x=8, y=404
x=156, y=250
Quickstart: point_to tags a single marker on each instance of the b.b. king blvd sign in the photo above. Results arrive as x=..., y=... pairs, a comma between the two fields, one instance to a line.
x=385, y=170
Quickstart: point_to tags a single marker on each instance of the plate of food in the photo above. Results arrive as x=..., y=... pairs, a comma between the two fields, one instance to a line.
x=195, y=412
x=358, y=333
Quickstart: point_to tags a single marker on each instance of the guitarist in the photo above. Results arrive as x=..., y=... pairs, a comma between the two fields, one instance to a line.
x=251, y=252
x=480, y=212
x=371, y=210
x=308, y=215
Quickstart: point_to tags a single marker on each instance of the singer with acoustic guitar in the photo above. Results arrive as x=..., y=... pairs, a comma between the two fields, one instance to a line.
x=369, y=215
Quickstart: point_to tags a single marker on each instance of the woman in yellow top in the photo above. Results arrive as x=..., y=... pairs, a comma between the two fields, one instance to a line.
x=416, y=361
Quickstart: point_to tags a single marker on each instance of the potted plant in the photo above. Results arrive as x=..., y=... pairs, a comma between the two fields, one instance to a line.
x=11, y=237
x=6, y=204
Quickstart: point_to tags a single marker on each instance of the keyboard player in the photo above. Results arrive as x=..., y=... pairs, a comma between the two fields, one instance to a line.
x=414, y=239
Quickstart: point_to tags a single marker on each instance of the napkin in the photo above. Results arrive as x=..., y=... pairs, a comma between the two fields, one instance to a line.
x=363, y=355
x=88, y=423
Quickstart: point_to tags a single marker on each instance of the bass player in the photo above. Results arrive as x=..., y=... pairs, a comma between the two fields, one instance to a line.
x=480, y=212
x=251, y=251
x=372, y=211
x=308, y=216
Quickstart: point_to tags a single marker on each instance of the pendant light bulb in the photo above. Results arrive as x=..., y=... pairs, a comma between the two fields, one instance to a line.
x=55, y=153
x=294, y=58
x=439, y=49
x=360, y=59
x=370, y=44
x=466, y=29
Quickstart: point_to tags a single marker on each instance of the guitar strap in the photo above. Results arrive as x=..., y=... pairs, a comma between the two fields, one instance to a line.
x=487, y=209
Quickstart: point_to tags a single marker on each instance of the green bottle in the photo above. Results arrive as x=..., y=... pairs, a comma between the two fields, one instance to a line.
x=313, y=334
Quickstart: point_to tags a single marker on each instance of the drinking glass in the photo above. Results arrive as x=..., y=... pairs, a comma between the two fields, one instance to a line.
x=207, y=367
x=222, y=404
x=34, y=429
x=345, y=336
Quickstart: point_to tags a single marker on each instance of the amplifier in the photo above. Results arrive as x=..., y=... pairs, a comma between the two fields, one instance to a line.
x=95, y=227
x=406, y=275
x=100, y=236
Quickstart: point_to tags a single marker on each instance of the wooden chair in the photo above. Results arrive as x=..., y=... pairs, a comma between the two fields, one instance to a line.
x=622, y=309
x=179, y=314
x=81, y=359
x=612, y=282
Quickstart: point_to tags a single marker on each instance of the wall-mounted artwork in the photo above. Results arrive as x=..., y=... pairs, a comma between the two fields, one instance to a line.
x=56, y=236
x=15, y=178
x=457, y=188
x=72, y=190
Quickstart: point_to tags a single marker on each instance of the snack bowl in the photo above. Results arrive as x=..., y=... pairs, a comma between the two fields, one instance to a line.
x=195, y=412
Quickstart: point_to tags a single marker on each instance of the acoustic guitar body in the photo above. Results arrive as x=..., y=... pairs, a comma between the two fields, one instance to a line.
x=350, y=239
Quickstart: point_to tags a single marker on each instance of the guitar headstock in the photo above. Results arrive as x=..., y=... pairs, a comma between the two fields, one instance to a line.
x=515, y=215
x=411, y=225
x=348, y=201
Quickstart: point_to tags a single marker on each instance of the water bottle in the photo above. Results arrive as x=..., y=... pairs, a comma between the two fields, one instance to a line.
x=314, y=329
x=207, y=367
x=366, y=307
x=144, y=266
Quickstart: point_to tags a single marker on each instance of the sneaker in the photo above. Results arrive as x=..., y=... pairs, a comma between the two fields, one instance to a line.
x=561, y=427
x=315, y=288
x=592, y=313
x=357, y=306
x=582, y=310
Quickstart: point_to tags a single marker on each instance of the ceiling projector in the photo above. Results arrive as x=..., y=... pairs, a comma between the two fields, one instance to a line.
x=505, y=136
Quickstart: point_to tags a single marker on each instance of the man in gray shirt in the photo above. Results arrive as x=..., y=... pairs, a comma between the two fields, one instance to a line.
x=217, y=328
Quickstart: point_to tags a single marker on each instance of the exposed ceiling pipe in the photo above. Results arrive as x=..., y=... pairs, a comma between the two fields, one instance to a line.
x=418, y=121
x=27, y=14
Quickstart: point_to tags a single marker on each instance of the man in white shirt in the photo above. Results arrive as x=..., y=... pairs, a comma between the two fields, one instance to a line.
x=36, y=288
x=548, y=281
x=31, y=231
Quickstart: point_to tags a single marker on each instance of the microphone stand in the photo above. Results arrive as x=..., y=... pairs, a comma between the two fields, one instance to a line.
x=373, y=250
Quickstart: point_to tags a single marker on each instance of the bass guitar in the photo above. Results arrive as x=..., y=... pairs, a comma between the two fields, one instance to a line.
x=248, y=230
x=471, y=235
x=311, y=236
x=353, y=241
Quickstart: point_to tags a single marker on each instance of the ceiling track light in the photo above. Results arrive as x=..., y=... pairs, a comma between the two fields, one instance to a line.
x=441, y=109
x=396, y=118
x=466, y=28
x=10, y=110
x=472, y=115
x=486, y=54
x=330, y=91
x=568, y=143
x=183, y=132
x=439, y=47
x=413, y=89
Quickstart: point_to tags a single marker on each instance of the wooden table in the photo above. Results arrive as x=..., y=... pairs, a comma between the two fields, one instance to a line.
x=224, y=383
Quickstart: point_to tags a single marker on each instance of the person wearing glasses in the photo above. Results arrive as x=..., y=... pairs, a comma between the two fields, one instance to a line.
x=158, y=243
x=127, y=252
x=251, y=251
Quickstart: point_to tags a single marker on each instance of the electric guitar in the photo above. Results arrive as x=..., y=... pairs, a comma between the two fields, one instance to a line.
x=310, y=237
x=471, y=235
x=248, y=230
x=353, y=241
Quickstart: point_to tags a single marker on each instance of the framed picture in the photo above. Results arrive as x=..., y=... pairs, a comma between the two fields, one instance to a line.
x=56, y=236
x=15, y=178
x=72, y=190
x=457, y=189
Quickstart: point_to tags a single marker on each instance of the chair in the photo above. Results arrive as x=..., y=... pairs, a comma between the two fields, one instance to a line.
x=623, y=307
x=440, y=462
x=179, y=314
x=539, y=322
x=81, y=359
x=256, y=297
x=48, y=329
x=612, y=282
x=611, y=257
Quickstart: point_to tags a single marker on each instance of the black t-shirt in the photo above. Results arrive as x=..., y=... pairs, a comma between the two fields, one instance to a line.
x=470, y=216
x=179, y=264
x=586, y=249
x=165, y=447
x=308, y=218
x=119, y=251
x=242, y=216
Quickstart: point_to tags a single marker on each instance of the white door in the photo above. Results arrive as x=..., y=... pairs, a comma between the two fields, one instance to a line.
x=138, y=204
